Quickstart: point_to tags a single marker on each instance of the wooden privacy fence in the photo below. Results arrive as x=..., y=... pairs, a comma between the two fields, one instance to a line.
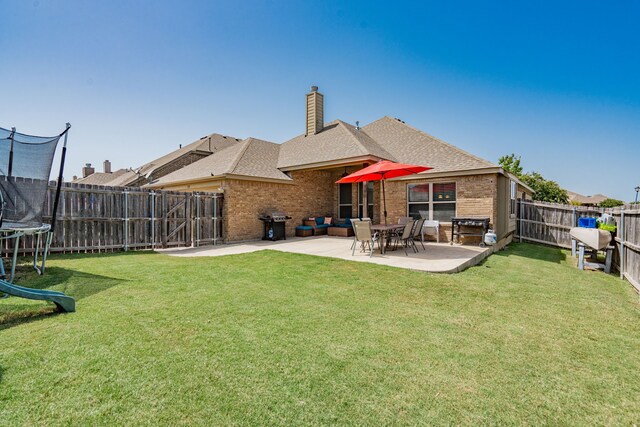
x=98, y=218
x=549, y=223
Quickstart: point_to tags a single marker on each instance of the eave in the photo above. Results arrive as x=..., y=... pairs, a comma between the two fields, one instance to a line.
x=330, y=164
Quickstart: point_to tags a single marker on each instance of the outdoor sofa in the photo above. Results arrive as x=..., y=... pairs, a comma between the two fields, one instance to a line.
x=321, y=225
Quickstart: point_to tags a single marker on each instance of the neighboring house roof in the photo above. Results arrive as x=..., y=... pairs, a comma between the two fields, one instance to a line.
x=101, y=178
x=253, y=158
x=123, y=177
x=586, y=200
x=206, y=144
x=337, y=141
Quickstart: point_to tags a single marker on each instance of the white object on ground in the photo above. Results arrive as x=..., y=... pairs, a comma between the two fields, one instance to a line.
x=592, y=237
x=490, y=238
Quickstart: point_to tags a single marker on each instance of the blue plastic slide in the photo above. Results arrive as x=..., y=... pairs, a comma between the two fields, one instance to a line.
x=63, y=302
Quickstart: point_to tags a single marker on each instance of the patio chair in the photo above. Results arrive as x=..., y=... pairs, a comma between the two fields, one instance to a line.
x=406, y=237
x=363, y=234
x=404, y=219
x=353, y=225
x=417, y=233
x=431, y=228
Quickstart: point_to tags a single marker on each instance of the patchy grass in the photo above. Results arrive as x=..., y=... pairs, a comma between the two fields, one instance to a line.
x=271, y=338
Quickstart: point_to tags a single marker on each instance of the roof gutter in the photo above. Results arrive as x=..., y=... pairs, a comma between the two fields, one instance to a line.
x=436, y=174
x=216, y=178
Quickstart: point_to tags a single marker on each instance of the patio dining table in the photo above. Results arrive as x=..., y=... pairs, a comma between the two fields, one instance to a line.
x=385, y=233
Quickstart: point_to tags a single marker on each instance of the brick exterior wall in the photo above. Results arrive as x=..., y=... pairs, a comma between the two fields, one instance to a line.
x=316, y=193
x=476, y=197
x=312, y=193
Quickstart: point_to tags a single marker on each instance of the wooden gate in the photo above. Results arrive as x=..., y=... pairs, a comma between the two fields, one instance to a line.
x=207, y=219
x=176, y=219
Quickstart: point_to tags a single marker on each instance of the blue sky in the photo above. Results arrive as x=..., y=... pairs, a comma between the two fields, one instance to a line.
x=556, y=82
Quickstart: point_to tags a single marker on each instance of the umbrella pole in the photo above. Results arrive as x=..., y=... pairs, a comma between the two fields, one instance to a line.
x=384, y=203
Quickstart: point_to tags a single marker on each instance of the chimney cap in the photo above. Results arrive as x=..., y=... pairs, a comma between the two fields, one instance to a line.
x=314, y=88
x=88, y=165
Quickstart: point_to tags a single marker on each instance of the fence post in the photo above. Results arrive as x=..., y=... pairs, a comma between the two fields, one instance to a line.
x=622, y=237
x=165, y=220
x=521, y=215
x=126, y=220
x=215, y=219
x=153, y=219
x=573, y=223
x=197, y=242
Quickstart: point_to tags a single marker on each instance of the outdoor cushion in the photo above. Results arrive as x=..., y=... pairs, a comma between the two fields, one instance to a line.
x=322, y=226
x=343, y=225
x=327, y=220
x=347, y=222
x=304, y=227
x=319, y=220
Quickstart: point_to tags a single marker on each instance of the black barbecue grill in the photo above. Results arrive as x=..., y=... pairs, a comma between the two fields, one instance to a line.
x=274, y=225
x=481, y=223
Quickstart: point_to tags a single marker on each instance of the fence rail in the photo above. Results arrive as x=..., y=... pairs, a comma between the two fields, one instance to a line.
x=549, y=223
x=98, y=218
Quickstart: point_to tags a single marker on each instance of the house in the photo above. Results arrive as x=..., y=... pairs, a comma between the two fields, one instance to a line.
x=159, y=167
x=299, y=177
x=579, y=199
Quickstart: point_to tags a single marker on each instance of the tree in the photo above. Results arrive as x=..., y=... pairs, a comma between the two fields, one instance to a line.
x=545, y=190
x=610, y=203
x=511, y=163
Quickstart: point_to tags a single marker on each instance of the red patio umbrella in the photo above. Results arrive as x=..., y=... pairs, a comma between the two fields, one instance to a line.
x=384, y=169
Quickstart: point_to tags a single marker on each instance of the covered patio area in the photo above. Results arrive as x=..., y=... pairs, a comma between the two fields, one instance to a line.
x=437, y=258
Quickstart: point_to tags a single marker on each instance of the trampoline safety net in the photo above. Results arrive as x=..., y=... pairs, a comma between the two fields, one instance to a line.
x=25, y=166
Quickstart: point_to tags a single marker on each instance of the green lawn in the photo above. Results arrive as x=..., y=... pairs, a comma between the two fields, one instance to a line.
x=270, y=338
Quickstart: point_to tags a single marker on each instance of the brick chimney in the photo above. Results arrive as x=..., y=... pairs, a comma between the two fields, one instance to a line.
x=315, y=111
x=107, y=166
x=87, y=170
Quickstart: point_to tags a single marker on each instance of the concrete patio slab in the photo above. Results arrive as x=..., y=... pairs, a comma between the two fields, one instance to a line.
x=437, y=258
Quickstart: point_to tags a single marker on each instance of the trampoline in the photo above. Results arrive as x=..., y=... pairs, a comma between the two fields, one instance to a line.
x=25, y=167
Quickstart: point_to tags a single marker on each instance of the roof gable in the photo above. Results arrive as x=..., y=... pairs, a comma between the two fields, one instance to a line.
x=207, y=144
x=337, y=140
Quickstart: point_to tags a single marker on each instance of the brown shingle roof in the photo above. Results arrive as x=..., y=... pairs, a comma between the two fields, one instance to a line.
x=338, y=140
x=124, y=179
x=410, y=145
x=208, y=144
x=250, y=158
x=101, y=178
x=386, y=138
x=587, y=200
